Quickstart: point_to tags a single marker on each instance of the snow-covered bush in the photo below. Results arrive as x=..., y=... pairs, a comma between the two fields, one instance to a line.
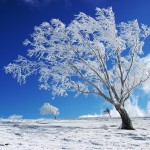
x=48, y=109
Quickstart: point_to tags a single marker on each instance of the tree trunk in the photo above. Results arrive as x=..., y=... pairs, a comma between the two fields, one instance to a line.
x=126, y=121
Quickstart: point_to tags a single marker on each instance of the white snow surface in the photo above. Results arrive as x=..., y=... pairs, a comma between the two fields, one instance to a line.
x=73, y=134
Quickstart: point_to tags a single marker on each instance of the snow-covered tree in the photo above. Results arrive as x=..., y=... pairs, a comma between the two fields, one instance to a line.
x=48, y=109
x=91, y=55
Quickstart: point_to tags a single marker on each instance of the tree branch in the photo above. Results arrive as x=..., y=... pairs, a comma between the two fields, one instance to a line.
x=81, y=91
x=92, y=84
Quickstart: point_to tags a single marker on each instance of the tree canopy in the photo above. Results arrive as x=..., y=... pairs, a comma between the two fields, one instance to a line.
x=48, y=109
x=91, y=55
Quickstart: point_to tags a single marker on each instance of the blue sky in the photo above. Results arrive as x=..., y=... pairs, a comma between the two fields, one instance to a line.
x=18, y=18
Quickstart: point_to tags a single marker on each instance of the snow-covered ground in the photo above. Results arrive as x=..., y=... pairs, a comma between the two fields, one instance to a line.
x=77, y=134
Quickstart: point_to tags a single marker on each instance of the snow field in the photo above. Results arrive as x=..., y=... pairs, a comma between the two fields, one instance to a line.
x=77, y=134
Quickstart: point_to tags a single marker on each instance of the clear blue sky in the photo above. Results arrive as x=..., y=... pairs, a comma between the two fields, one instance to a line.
x=17, y=20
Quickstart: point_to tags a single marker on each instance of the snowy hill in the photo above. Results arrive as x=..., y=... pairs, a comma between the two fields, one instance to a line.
x=73, y=134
